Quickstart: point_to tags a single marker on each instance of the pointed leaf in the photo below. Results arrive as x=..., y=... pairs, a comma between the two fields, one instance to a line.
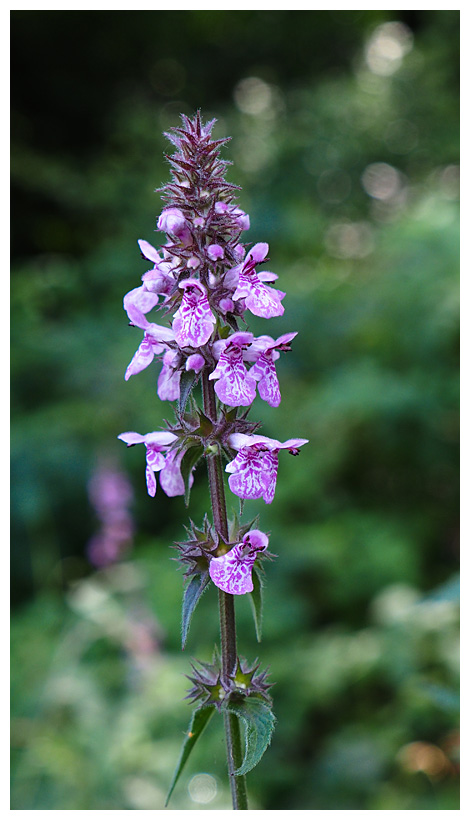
x=197, y=585
x=256, y=601
x=205, y=425
x=187, y=382
x=189, y=460
x=199, y=721
x=259, y=723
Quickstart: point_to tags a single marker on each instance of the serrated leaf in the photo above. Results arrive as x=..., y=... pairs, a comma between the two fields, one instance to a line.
x=187, y=382
x=197, y=585
x=256, y=601
x=199, y=721
x=189, y=460
x=258, y=721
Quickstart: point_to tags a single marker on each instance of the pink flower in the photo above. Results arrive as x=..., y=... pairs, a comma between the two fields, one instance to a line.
x=264, y=370
x=153, y=343
x=215, y=252
x=171, y=480
x=156, y=444
x=235, y=386
x=172, y=221
x=241, y=218
x=138, y=302
x=232, y=572
x=254, y=468
x=226, y=305
x=260, y=299
x=168, y=384
x=160, y=278
x=144, y=355
x=195, y=362
x=193, y=321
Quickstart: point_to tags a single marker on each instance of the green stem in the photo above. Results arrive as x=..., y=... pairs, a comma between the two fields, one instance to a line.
x=228, y=637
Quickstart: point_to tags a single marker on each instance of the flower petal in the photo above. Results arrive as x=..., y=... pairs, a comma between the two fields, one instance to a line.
x=151, y=481
x=143, y=356
x=193, y=321
x=232, y=572
x=168, y=384
x=247, y=479
x=140, y=298
x=171, y=480
x=131, y=438
x=149, y=251
x=155, y=460
x=264, y=371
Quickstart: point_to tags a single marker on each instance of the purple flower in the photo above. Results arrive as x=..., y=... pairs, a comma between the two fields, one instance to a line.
x=226, y=305
x=254, y=468
x=193, y=321
x=241, y=218
x=172, y=221
x=266, y=350
x=170, y=474
x=232, y=572
x=215, y=252
x=153, y=343
x=260, y=299
x=168, y=384
x=110, y=493
x=171, y=480
x=144, y=355
x=235, y=386
x=160, y=278
x=138, y=302
x=195, y=362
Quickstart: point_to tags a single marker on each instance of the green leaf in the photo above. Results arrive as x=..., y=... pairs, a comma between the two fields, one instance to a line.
x=259, y=723
x=197, y=585
x=199, y=721
x=187, y=382
x=189, y=460
x=205, y=425
x=256, y=601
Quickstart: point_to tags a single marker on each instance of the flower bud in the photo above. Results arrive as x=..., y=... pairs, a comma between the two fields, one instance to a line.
x=226, y=305
x=172, y=221
x=215, y=252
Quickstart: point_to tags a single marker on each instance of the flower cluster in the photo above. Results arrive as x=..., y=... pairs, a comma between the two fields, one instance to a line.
x=110, y=494
x=208, y=281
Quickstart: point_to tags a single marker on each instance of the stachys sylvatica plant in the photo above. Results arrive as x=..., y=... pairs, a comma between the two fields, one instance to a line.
x=206, y=282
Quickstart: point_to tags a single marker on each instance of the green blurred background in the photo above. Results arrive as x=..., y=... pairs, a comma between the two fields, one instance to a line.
x=345, y=130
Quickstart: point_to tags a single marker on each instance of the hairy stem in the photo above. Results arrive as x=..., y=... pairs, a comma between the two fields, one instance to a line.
x=228, y=637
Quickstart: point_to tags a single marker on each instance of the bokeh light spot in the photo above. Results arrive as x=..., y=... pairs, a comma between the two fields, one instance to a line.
x=202, y=788
x=252, y=95
x=423, y=757
x=349, y=240
x=381, y=181
x=385, y=50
